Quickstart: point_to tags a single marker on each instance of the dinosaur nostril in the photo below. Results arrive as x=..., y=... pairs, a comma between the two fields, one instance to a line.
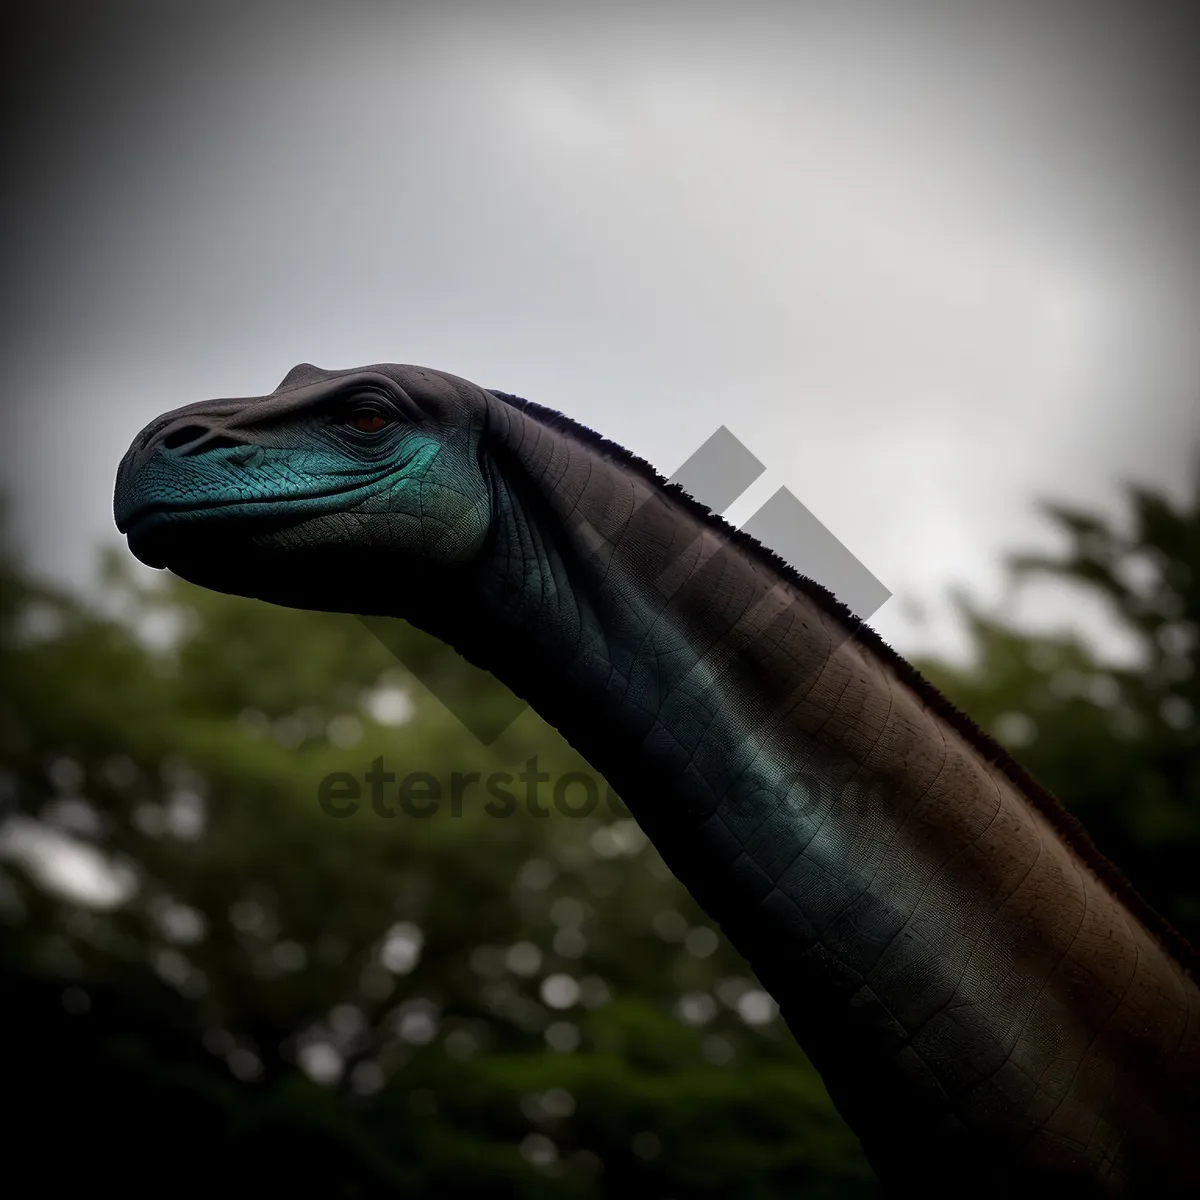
x=221, y=442
x=196, y=439
x=183, y=436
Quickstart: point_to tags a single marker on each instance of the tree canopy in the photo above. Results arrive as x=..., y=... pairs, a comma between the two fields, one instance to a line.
x=213, y=979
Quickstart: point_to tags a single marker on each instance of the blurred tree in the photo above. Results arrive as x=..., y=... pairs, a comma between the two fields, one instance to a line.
x=216, y=983
x=212, y=982
x=1117, y=744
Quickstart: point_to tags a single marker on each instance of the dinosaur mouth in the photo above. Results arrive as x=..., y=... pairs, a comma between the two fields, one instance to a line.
x=155, y=528
x=158, y=535
x=162, y=536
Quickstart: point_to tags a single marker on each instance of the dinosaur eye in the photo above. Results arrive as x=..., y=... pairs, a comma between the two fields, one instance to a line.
x=368, y=422
x=367, y=418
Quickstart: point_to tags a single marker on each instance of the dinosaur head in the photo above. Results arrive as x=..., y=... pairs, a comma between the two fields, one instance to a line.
x=309, y=495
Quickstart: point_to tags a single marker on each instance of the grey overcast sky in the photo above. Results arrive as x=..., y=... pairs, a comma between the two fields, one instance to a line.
x=930, y=262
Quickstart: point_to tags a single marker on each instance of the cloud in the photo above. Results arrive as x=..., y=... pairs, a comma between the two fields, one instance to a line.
x=927, y=264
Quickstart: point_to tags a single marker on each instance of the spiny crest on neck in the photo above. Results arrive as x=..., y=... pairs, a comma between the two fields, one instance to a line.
x=1044, y=801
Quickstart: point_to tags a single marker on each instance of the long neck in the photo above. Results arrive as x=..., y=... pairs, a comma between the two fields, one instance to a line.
x=983, y=1002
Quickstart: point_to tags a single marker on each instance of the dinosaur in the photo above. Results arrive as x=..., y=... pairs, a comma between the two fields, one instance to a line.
x=993, y=1008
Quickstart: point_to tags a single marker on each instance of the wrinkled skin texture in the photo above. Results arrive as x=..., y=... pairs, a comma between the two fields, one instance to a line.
x=258, y=499
x=992, y=1008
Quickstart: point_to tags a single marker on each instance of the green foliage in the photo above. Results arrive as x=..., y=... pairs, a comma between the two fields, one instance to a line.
x=220, y=984
x=216, y=984
x=1116, y=744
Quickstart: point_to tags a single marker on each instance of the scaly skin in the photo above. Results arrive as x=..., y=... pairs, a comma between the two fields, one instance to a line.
x=993, y=1009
